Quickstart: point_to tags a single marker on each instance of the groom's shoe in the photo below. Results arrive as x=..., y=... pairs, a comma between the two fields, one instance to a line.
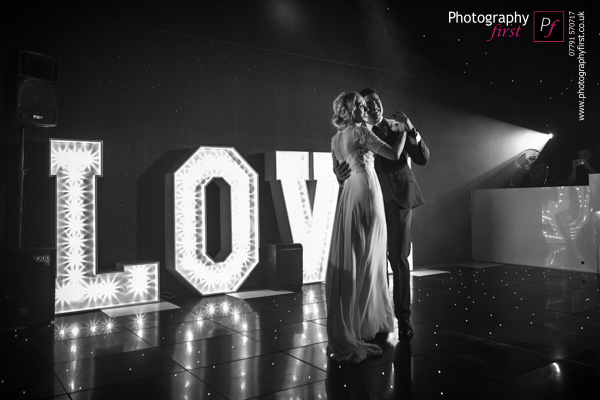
x=405, y=328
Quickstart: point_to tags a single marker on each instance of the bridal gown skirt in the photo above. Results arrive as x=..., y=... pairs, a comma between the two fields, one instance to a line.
x=358, y=301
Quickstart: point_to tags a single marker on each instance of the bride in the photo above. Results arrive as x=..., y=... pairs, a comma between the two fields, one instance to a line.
x=358, y=303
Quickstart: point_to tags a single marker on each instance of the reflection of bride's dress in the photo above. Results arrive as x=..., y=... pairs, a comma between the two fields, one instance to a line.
x=358, y=303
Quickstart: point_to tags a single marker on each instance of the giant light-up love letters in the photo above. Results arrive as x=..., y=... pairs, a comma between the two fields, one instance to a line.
x=79, y=286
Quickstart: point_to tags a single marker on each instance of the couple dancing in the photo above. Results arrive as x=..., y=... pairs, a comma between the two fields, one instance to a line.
x=372, y=223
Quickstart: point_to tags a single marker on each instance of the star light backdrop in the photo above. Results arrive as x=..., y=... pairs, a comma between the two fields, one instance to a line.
x=468, y=112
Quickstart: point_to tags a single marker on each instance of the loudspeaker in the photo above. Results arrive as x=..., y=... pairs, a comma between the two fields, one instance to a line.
x=34, y=91
x=27, y=285
x=284, y=268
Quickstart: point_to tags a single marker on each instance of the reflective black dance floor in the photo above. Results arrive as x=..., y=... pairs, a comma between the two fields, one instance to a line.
x=502, y=332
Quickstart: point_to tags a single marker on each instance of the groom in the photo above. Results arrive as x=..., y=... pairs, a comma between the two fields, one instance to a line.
x=401, y=194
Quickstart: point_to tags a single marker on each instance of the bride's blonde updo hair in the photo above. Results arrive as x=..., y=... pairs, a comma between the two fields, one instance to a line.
x=343, y=109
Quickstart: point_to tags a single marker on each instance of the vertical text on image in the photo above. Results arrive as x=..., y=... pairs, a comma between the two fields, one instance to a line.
x=571, y=33
x=581, y=63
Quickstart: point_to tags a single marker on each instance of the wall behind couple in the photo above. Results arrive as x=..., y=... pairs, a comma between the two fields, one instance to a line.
x=154, y=81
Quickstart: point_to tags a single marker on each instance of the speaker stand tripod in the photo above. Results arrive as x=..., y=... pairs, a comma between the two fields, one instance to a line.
x=21, y=186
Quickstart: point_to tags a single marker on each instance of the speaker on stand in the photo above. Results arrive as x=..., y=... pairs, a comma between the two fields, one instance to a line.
x=28, y=274
x=33, y=88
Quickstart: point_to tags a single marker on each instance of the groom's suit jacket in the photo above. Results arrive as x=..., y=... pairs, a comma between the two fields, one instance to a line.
x=395, y=176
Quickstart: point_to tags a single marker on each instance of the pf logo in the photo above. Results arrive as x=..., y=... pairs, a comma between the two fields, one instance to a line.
x=548, y=26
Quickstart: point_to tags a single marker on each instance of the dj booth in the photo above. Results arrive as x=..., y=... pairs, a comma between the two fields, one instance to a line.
x=554, y=227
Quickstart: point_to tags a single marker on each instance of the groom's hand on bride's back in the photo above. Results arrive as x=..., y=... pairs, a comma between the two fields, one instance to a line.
x=342, y=171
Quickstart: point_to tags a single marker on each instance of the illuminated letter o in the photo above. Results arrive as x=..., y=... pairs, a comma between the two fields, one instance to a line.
x=187, y=258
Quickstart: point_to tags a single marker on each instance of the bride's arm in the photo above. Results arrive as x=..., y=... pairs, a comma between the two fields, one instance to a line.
x=393, y=152
x=378, y=146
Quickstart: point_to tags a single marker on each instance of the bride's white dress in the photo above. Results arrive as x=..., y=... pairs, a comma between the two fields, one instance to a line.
x=358, y=302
